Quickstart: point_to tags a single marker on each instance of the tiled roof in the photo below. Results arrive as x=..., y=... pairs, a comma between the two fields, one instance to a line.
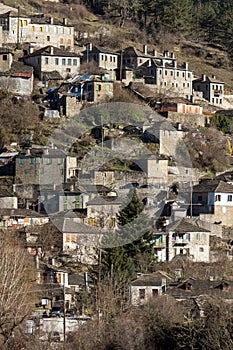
x=184, y=225
x=113, y=200
x=207, y=79
x=224, y=187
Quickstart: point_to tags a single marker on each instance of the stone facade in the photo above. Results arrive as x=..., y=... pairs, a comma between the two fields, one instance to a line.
x=51, y=59
x=186, y=238
x=211, y=88
x=20, y=30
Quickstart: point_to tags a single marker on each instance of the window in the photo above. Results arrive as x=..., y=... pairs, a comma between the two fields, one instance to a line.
x=155, y=293
x=98, y=87
x=33, y=28
x=107, y=88
x=220, y=100
x=218, y=198
x=62, y=30
x=25, y=23
x=199, y=198
x=114, y=59
x=188, y=287
x=55, y=30
x=183, y=75
x=48, y=38
x=142, y=293
x=4, y=57
x=102, y=57
x=74, y=62
x=56, y=61
x=171, y=73
x=177, y=74
x=201, y=249
x=110, y=58
x=197, y=236
x=188, y=75
x=61, y=41
x=47, y=29
x=49, y=161
x=183, y=84
x=63, y=61
x=41, y=29
x=203, y=236
x=32, y=160
x=112, y=223
x=165, y=72
x=46, y=60
x=69, y=31
x=91, y=221
x=20, y=22
x=21, y=161
x=229, y=198
x=69, y=62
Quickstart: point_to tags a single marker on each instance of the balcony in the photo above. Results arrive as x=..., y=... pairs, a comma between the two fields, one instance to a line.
x=179, y=241
x=218, y=93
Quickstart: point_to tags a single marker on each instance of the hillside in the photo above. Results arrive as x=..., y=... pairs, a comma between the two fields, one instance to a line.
x=115, y=28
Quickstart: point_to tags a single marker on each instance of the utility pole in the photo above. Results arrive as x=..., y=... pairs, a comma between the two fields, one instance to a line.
x=64, y=314
x=17, y=43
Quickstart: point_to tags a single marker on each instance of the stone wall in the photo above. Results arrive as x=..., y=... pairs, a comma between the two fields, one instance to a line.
x=188, y=118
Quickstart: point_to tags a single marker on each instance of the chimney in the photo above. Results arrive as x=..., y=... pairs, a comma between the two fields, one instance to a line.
x=172, y=55
x=51, y=50
x=31, y=49
x=213, y=76
x=155, y=53
x=192, y=99
x=174, y=64
x=51, y=20
x=46, y=151
x=28, y=152
x=203, y=77
x=166, y=54
x=145, y=49
x=149, y=63
x=65, y=21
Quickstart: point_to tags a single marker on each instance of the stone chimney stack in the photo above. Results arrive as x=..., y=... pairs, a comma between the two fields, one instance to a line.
x=65, y=21
x=145, y=49
x=51, y=20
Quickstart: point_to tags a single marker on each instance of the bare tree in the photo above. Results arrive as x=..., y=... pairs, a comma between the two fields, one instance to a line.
x=17, y=282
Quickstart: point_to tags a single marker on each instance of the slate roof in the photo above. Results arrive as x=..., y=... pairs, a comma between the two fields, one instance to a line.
x=152, y=279
x=111, y=200
x=54, y=75
x=184, y=225
x=102, y=50
x=72, y=225
x=46, y=51
x=200, y=287
x=18, y=69
x=208, y=79
x=4, y=192
x=133, y=50
x=21, y=213
x=211, y=186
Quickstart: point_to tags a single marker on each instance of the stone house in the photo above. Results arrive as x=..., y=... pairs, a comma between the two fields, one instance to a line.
x=8, y=199
x=185, y=237
x=18, y=79
x=18, y=218
x=40, y=166
x=40, y=31
x=168, y=75
x=132, y=57
x=148, y=286
x=212, y=200
x=102, y=211
x=6, y=59
x=212, y=89
x=70, y=97
x=50, y=59
x=78, y=237
x=156, y=169
x=104, y=59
